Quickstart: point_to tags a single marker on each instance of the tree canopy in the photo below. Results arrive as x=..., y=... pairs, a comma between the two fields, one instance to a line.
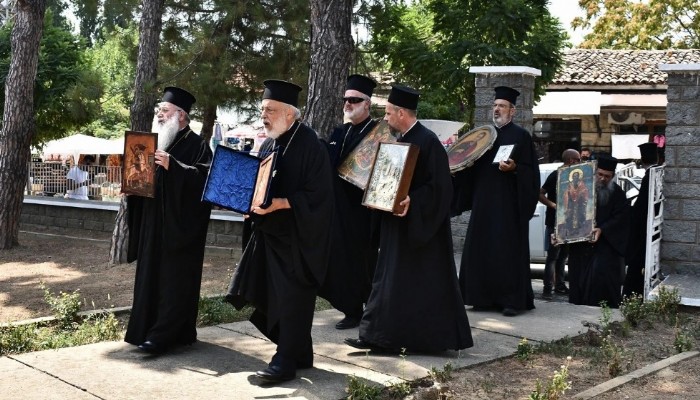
x=431, y=44
x=637, y=25
x=67, y=91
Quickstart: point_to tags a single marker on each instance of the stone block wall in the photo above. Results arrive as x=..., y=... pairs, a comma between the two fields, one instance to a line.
x=56, y=215
x=680, y=246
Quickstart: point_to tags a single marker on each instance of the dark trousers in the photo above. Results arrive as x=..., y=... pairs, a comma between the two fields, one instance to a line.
x=554, y=264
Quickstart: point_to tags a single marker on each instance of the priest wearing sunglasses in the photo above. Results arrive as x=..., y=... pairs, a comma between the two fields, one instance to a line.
x=351, y=266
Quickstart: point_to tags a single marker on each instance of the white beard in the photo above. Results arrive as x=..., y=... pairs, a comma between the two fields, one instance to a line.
x=166, y=131
x=271, y=133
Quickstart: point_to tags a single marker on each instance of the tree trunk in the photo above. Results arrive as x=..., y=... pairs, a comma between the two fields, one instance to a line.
x=19, y=124
x=145, y=98
x=331, y=56
x=208, y=120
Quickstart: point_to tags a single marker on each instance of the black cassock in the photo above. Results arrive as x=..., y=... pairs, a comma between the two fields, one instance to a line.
x=415, y=301
x=495, y=266
x=596, y=270
x=637, y=246
x=167, y=235
x=286, y=258
x=353, y=245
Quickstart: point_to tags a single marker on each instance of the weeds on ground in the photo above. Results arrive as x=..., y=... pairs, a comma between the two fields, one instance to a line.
x=359, y=390
x=525, y=350
x=68, y=329
x=441, y=376
x=682, y=341
x=556, y=387
x=215, y=310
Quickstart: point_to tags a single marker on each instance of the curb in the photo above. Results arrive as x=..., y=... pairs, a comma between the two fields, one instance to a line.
x=644, y=371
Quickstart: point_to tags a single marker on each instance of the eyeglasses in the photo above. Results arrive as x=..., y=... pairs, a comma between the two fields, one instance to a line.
x=157, y=110
x=353, y=100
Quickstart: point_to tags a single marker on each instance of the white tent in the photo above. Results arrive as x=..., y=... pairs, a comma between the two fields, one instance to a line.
x=83, y=144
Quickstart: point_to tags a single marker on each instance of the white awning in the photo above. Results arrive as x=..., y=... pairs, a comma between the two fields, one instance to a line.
x=633, y=100
x=568, y=103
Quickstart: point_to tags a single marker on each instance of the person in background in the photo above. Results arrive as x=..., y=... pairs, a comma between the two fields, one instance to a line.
x=585, y=154
x=415, y=301
x=353, y=256
x=495, y=266
x=556, y=254
x=167, y=233
x=286, y=258
x=636, y=249
x=597, y=267
x=77, y=180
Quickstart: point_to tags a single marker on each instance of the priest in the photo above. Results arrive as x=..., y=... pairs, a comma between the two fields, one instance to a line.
x=167, y=233
x=286, y=258
x=502, y=196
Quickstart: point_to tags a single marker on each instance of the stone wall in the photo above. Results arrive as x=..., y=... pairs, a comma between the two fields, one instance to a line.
x=57, y=215
x=680, y=246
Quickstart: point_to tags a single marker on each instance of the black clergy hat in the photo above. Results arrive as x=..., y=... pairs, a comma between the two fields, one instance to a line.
x=404, y=97
x=649, y=152
x=180, y=97
x=607, y=163
x=506, y=93
x=361, y=84
x=283, y=91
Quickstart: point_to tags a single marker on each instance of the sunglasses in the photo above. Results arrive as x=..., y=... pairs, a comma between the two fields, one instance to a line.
x=353, y=100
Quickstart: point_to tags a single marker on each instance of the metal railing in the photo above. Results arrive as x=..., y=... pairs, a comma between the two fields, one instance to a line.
x=96, y=182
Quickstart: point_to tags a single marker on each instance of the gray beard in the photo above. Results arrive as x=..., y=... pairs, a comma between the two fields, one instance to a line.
x=604, y=192
x=166, y=131
x=272, y=134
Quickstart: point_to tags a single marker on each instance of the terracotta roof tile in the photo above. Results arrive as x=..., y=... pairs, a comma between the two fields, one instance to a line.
x=620, y=67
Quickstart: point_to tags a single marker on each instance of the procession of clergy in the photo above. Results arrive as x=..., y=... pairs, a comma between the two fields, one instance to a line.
x=392, y=273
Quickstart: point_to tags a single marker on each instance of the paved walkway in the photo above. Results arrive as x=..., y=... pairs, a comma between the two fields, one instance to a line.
x=222, y=363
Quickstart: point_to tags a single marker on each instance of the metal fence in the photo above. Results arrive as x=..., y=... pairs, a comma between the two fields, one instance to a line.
x=96, y=182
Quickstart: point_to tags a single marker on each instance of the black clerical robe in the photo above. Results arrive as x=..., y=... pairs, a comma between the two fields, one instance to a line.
x=637, y=245
x=596, y=270
x=495, y=266
x=167, y=234
x=353, y=245
x=415, y=301
x=286, y=259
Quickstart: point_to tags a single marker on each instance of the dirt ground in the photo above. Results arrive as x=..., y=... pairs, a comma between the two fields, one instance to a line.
x=70, y=261
x=73, y=261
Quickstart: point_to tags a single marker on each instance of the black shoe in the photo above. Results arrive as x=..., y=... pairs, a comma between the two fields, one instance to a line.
x=151, y=348
x=363, y=345
x=547, y=295
x=348, y=323
x=510, y=312
x=562, y=290
x=274, y=373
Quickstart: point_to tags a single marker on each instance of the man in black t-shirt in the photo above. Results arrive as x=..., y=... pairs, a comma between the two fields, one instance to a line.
x=556, y=255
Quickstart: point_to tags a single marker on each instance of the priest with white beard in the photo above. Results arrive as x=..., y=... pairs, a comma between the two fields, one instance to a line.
x=167, y=233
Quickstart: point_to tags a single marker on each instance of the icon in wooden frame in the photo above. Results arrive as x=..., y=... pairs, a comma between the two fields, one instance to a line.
x=391, y=176
x=358, y=164
x=576, y=201
x=139, y=166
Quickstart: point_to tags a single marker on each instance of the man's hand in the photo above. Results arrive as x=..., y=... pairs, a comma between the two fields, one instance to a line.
x=405, y=203
x=276, y=204
x=507, y=166
x=595, y=235
x=162, y=159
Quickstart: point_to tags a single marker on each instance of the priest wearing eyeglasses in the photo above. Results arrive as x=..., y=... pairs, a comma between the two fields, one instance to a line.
x=353, y=256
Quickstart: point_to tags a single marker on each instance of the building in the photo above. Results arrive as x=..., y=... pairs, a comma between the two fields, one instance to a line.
x=601, y=98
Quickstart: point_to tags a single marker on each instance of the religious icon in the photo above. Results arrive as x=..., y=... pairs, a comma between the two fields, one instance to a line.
x=391, y=175
x=357, y=165
x=139, y=166
x=575, y=215
x=239, y=181
x=503, y=154
x=470, y=146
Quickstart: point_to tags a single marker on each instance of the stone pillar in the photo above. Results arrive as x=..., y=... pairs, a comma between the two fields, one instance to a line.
x=521, y=79
x=680, y=246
